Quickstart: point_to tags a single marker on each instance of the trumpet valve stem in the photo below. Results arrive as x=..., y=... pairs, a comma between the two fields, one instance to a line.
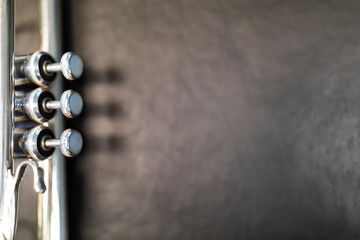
x=52, y=67
x=70, y=65
x=70, y=104
x=52, y=143
x=70, y=143
x=50, y=105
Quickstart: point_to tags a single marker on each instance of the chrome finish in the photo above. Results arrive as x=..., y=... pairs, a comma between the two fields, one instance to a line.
x=19, y=71
x=36, y=142
x=19, y=104
x=30, y=69
x=34, y=69
x=70, y=65
x=52, y=143
x=11, y=196
x=70, y=143
x=71, y=104
x=10, y=182
x=30, y=143
x=39, y=143
x=39, y=104
x=40, y=68
x=52, y=207
x=52, y=105
x=7, y=225
x=6, y=94
x=33, y=104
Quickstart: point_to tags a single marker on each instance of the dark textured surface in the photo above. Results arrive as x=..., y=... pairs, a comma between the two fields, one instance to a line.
x=216, y=119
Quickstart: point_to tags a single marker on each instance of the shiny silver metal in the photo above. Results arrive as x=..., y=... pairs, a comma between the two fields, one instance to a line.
x=40, y=68
x=52, y=207
x=10, y=181
x=70, y=65
x=30, y=69
x=33, y=104
x=71, y=104
x=29, y=143
x=70, y=143
x=6, y=94
x=39, y=143
x=6, y=99
x=8, y=222
x=40, y=105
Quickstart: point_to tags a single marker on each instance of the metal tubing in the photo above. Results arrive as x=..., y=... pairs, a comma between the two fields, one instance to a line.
x=52, y=209
x=6, y=94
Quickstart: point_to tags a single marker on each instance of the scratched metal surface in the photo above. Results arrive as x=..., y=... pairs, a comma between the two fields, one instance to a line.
x=214, y=119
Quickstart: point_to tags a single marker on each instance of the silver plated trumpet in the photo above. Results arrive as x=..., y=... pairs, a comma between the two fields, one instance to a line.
x=35, y=145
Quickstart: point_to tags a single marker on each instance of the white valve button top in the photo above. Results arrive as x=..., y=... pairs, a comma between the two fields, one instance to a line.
x=71, y=66
x=71, y=104
x=71, y=143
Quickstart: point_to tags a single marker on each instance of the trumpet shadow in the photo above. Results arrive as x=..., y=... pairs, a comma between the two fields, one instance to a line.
x=113, y=143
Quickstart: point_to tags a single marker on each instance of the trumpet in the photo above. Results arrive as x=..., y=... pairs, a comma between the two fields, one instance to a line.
x=30, y=132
